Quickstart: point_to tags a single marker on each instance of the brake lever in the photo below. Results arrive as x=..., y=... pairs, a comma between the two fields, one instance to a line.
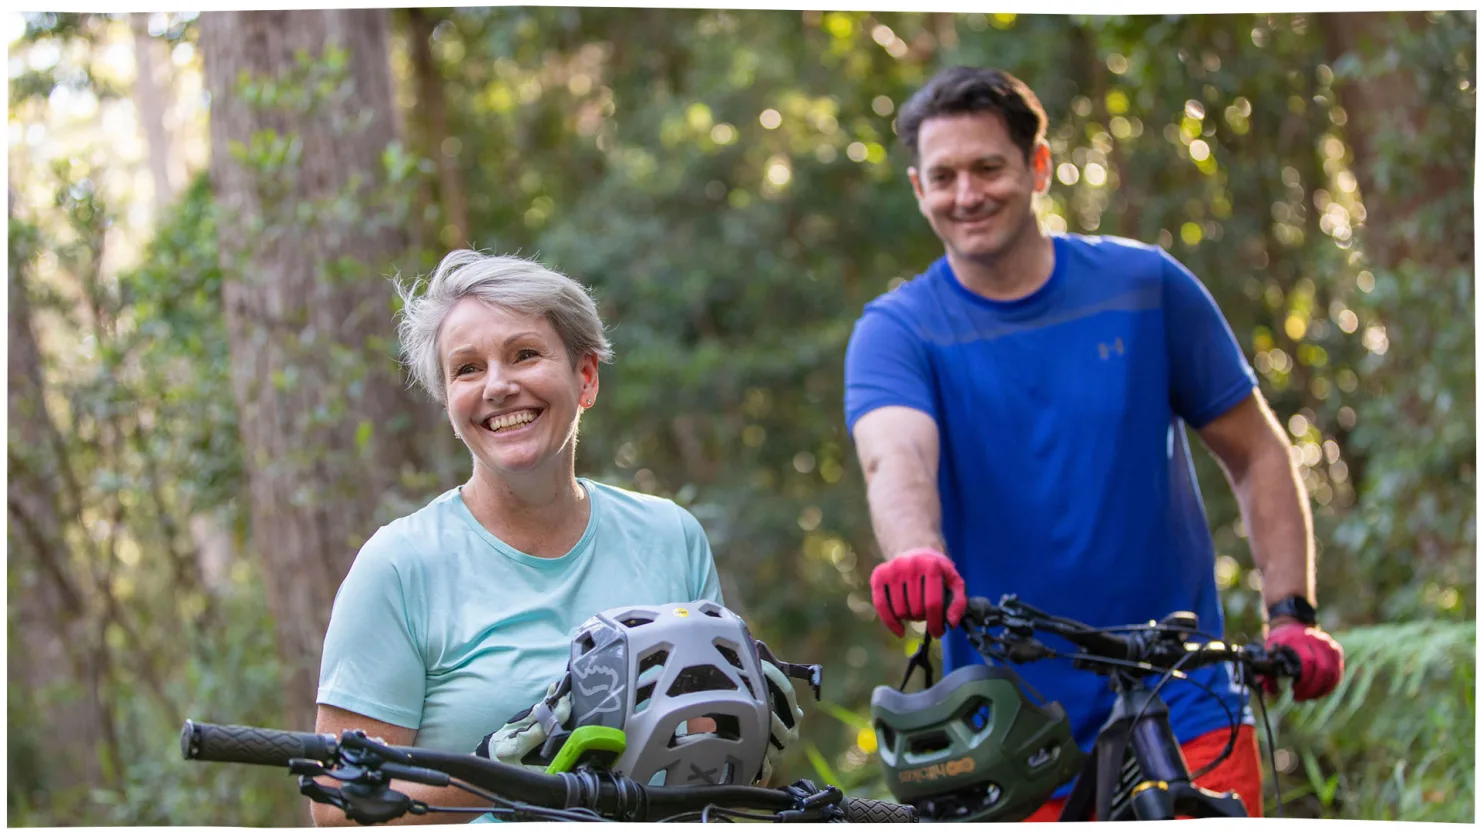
x=813, y=804
x=306, y=766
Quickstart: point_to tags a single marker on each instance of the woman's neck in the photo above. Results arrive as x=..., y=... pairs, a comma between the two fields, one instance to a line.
x=543, y=516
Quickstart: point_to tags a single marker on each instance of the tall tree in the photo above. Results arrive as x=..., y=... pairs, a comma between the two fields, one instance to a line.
x=431, y=126
x=151, y=102
x=300, y=128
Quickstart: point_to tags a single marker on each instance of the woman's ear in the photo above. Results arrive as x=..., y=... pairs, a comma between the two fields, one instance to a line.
x=590, y=379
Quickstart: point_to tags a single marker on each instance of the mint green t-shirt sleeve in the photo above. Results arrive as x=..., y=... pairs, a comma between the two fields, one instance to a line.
x=372, y=664
x=701, y=559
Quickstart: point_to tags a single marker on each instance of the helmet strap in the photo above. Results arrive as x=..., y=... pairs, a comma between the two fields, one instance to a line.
x=810, y=674
x=920, y=659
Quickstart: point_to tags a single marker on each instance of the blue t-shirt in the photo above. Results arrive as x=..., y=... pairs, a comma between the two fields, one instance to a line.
x=443, y=628
x=1065, y=475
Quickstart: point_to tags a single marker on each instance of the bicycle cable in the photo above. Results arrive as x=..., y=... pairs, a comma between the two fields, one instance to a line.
x=1274, y=771
x=502, y=806
x=1168, y=673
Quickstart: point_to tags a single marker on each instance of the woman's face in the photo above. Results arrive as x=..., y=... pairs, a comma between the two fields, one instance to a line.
x=512, y=395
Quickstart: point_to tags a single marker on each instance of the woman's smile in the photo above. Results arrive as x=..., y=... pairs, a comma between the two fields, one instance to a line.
x=512, y=422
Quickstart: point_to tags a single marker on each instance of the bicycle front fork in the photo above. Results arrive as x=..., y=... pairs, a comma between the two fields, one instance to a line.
x=1137, y=772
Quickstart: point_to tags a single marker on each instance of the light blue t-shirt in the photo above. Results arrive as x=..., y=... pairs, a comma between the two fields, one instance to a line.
x=443, y=628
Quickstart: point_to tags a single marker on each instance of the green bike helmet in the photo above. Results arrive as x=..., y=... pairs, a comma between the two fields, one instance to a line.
x=973, y=748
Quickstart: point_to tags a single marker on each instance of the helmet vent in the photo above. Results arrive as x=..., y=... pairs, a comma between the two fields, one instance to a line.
x=730, y=654
x=644, y=696
x=929, y=743
x=637, y=620
x=713, y=611
x=656, y=659
x=977, y=714
x=726, y=727
x=585, y=643
x=701, y=678
x=885, y=734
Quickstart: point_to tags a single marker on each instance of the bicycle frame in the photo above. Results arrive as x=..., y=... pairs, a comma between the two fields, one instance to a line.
x=1136, y=770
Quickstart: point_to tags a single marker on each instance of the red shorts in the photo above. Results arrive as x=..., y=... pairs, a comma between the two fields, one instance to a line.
x=1239, y=772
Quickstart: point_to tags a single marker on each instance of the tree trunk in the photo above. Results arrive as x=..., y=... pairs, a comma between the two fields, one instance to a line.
x=430, y=116
x=305, y=244
x=150, y=100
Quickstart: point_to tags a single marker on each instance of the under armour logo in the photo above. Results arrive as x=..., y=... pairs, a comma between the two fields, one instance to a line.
x=1118, y=347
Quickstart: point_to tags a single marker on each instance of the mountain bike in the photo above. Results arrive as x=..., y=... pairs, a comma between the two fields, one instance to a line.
x=590, y=792
x=1135, y=770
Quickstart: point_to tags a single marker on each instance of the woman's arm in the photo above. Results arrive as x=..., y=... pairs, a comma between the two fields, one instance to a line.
x=333, y=720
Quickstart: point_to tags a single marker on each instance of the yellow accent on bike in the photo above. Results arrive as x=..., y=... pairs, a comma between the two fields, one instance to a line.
x=1149, y=785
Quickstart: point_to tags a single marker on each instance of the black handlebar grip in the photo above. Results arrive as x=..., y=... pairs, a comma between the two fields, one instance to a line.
x=869, y=811
x=251, y=745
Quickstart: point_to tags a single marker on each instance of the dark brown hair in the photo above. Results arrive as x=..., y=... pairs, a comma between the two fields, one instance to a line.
x=961, y=90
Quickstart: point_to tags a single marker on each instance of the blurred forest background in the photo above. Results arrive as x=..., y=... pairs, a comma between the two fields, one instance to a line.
x=205, y=421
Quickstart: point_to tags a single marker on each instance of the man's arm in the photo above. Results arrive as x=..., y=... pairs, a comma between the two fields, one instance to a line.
x=1255, y=454
x=899, y=449
x=333, y=720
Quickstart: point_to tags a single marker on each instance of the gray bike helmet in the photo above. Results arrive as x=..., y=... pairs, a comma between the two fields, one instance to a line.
x=649, y=670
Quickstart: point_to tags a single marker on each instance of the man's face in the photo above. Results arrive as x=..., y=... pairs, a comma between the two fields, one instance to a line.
x=974, y=186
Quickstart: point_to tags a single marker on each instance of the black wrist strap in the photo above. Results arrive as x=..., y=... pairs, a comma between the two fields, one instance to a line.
x=1295, y=607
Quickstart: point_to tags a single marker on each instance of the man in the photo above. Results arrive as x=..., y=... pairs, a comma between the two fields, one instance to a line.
x=1021, y=406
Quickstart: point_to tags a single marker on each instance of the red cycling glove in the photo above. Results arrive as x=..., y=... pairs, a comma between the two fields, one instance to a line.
x=913, y=587
x=1321, y=660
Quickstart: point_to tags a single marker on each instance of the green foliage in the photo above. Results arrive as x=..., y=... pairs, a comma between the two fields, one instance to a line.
x=229, y=675
x=149, y=432
x=1361, y=756
x=729, y=184
x=178, y=343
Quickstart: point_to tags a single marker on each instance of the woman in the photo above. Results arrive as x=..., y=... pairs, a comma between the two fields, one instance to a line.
x=459, y=615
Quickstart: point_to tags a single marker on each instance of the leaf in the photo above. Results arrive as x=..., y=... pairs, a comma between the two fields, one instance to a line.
x=819, y=763
x=851, y=718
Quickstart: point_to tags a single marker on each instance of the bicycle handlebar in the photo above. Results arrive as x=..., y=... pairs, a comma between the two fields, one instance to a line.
x=1150, y=647
x=611, y=796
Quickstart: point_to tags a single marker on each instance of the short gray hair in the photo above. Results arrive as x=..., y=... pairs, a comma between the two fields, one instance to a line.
x=506, y=281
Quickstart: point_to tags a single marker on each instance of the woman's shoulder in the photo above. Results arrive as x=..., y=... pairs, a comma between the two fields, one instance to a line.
x=398, y=541
x=638, y=509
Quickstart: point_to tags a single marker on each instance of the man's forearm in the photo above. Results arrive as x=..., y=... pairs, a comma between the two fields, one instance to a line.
x=1277, y=515
x=904, y=505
